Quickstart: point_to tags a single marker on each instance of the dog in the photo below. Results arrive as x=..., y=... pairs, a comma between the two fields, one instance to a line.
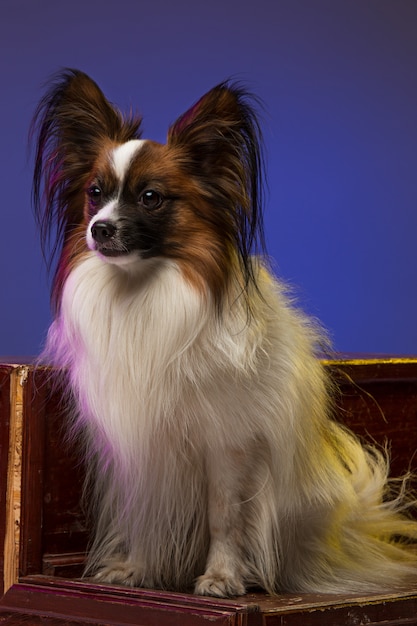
x=204, y=413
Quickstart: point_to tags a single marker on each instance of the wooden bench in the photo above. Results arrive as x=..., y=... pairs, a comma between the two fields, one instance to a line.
x=43, y=535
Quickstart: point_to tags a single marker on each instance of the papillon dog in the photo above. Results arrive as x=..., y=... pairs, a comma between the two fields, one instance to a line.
x=213, y=461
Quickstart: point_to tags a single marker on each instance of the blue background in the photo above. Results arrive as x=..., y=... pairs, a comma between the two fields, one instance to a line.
x=339, y=82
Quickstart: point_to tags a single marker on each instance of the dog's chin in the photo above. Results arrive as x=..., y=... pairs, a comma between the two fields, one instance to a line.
x=125, y=260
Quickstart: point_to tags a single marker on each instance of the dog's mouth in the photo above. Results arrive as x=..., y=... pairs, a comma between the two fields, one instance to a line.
x=111, y=251
x=120, y=256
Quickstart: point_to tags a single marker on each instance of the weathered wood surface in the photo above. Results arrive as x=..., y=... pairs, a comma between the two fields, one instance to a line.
x=44, y=534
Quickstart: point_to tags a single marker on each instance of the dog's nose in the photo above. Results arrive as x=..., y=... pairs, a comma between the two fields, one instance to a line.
x=103, y=231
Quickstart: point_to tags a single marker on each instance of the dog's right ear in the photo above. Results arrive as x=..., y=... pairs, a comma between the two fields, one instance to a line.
x=71, y=125
x=72, y=121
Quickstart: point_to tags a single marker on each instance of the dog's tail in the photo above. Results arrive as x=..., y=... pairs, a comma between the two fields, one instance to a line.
x=371, y=540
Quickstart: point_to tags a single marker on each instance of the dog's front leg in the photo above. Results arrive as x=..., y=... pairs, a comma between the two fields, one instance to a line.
x=224, y=575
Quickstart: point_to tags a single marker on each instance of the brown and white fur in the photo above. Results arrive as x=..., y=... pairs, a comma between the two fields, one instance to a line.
x=212, y=456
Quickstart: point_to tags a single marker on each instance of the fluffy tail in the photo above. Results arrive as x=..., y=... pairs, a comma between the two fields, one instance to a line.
x=371, y=541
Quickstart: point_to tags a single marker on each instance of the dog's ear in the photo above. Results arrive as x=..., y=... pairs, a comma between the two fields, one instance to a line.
x=220, y=104
x=73, y=118
x=220, y=144
x=71, y=124
x=218, y=124
x=220, y=138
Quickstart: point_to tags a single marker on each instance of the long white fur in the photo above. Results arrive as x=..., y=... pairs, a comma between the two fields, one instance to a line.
x=216, y=463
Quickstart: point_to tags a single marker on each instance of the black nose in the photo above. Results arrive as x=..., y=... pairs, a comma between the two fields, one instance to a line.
x=102, y=231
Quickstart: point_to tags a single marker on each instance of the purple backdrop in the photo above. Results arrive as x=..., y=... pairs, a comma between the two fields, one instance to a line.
x=339, y=81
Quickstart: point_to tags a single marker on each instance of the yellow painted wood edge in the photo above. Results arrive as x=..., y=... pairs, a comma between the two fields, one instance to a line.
x=370, y=360
x=18, y=379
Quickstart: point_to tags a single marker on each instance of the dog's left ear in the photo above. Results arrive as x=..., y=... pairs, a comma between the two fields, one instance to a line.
x=221, y=145
x=220, y=104
x=221, y=126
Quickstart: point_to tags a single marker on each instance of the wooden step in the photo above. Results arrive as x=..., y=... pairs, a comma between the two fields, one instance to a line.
x=44, y=533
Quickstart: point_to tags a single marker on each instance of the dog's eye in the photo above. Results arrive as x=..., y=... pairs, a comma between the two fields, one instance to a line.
x=150, y=199
x=94, y=194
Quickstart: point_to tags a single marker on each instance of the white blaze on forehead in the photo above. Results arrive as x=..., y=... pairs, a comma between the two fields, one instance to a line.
x=122, y=156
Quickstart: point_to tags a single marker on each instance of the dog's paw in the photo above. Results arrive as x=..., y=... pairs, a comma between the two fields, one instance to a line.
x=118, y=572
x=219, y=585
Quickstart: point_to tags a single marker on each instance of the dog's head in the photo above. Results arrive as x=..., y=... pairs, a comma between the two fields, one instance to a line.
x=102, y=188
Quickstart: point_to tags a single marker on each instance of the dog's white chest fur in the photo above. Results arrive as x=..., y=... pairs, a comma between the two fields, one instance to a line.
x=126, y=335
